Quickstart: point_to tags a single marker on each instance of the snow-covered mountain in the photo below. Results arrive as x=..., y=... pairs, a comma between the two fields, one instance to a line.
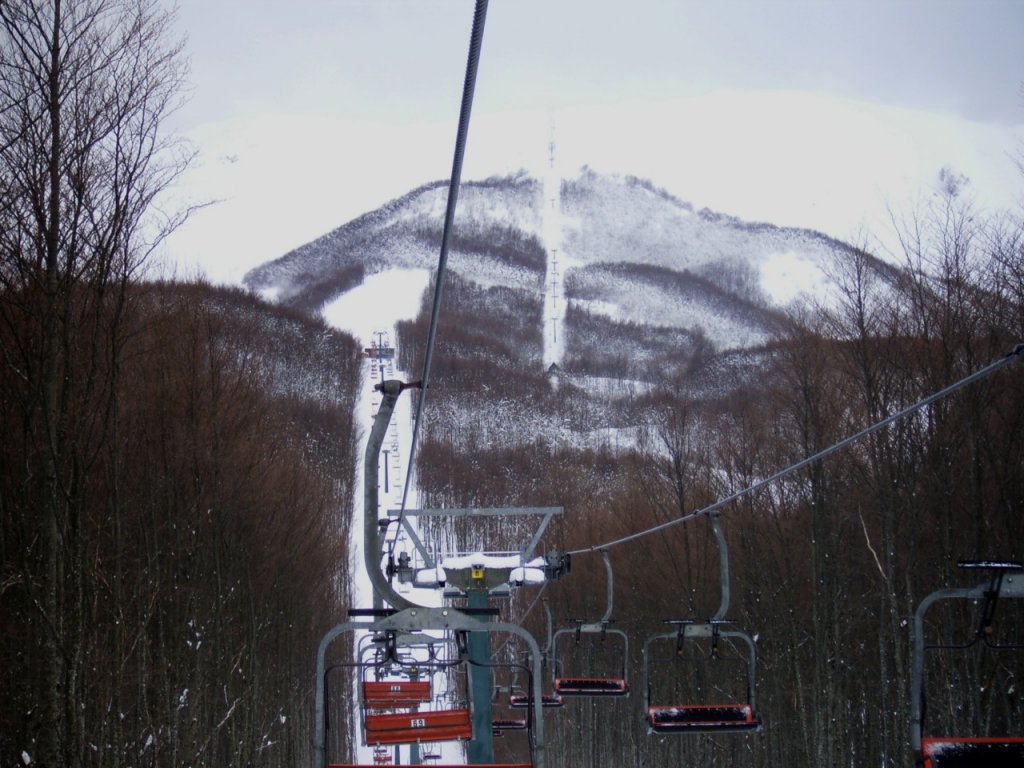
x=568, y=302
x=631, y=263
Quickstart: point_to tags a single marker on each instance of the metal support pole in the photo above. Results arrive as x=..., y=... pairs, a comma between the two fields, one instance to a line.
x=751, y=665
x=480, y=750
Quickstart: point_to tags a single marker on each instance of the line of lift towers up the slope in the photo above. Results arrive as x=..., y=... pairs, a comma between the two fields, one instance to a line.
x=404, y=646
x=404, y=643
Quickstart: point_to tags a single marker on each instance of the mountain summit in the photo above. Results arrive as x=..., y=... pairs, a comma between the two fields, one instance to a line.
x=615, y=276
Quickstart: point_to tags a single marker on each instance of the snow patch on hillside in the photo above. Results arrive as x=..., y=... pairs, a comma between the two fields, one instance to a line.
x=613, y=388
x=382, y=300
x=489, y=272
x=785, y=276
x=270, y=294
x=608, y=309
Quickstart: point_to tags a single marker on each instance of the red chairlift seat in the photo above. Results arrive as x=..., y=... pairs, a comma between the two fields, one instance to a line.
x=590, y=686
x=711, y=718
x=413, y=727
x=509, y=724
x=973, y=752
x=524, y=700
x=395, y=694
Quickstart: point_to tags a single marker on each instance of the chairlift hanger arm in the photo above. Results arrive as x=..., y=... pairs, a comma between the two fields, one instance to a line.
x=550, y=631
x=611, y=587
x=723, y=566
x=382, y=589
x=991, y=599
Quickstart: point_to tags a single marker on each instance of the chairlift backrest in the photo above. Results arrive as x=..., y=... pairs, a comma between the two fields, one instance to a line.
x=395, y=694
x=414, y=727
x=970, y=752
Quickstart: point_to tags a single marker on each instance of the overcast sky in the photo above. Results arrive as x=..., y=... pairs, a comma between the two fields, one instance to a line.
x=311, y=112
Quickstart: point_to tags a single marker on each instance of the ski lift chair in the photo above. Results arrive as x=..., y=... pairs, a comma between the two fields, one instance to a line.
x=396, y=665
x=450, y=721
x=597, y=682
x=406, y=711
x=733, y=716
x=988, y=751
x=702, y=717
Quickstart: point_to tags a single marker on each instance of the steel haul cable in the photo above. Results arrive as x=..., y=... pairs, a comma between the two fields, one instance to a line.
x=469, y=86
x=1016, y=352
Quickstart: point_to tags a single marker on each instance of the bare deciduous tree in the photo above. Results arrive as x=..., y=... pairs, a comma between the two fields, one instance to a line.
x=84, y=87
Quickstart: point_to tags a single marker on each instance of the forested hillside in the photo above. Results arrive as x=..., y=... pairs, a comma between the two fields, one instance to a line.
x=204, y=476
x=177, y=464
x=828, y=564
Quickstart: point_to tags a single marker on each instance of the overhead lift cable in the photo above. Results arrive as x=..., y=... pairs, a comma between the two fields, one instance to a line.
x=1016, y=352
x=469, y=86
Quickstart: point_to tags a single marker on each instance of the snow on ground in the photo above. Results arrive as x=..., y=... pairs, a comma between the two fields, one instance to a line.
x=379, y=303
x=613, y=388
x=616, y=439
x=785, y=276
x=370, y=312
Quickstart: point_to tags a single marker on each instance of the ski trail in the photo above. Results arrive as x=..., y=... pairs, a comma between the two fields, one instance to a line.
x=371, y=312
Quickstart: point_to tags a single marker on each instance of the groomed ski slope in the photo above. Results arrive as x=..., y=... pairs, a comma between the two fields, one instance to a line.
x=370, y=312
